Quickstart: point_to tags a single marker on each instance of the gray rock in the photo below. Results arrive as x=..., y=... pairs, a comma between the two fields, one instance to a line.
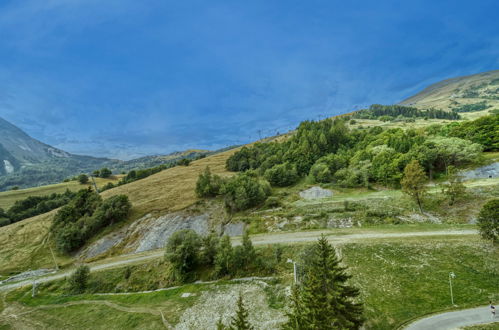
x=489, y=171
x=27, y=275
x=315, y=193
x=102, y=245
x=156, y=234
x=234, y=229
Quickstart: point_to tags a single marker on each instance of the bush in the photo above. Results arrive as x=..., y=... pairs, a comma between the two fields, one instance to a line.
x=208, y=185
x=244, y=191
x=182, y=251
x=105, y=173
x=77, y=282
x=282, y=175
x=320, y=173
x=83, y=178
x=224, y=259
x=488, y=221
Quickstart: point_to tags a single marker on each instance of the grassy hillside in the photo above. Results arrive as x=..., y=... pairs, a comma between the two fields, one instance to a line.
x=450, y=93
x=23, y=245
x=400, y=279
x=7, y=198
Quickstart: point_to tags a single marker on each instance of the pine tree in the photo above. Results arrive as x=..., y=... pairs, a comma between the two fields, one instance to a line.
x=325, y=301
x=240, y=320
x=295, y=316
x=220, y=325
x=414, y=182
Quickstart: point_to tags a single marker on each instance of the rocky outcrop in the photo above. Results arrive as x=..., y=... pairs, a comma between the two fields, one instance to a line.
x=315, y=193
x=484, y=172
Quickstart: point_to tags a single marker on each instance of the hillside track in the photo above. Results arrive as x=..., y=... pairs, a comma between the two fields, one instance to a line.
x=261, y=239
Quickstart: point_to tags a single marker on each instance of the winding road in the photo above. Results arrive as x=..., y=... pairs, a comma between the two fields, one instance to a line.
x=261, y=239
x=454, y=320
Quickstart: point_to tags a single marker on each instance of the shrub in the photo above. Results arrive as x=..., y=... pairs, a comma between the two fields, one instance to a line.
x=77, y=282
x=208, y=185
x=320, y=173
x=488, y=221
x=182, y=251
x=83, y=178
x=105, y=173
x=282, y=175
x=244, y=191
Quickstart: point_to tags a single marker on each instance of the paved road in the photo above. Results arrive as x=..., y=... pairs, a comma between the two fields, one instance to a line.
x=454, y=320
x=262, y=239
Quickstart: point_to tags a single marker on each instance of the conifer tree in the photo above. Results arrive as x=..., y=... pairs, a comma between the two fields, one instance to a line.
x=240, y=320
x=295, y=316
x=325, y=301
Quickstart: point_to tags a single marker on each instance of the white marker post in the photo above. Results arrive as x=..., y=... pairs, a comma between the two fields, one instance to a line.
x=451, y=276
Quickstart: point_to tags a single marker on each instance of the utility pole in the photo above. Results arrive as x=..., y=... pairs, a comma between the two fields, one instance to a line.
x=260, y=134
x=33, y=292
x=451, y=276
x=95, y=185
x=295, y=274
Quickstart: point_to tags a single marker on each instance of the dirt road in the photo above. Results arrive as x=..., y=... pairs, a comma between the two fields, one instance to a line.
x=261, y=239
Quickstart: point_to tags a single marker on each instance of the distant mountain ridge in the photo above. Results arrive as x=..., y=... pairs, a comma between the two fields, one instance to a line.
x=454, y=92
x=27, y=162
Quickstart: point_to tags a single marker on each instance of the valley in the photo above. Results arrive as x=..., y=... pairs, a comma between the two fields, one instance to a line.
x=287, y=192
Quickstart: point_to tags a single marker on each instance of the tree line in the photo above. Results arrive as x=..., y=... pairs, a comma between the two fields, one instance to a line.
x=376, y=111
x=34, y=205
x=328, y=152
x=84, y=216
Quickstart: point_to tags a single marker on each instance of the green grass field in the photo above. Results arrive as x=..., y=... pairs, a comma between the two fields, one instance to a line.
x=399, y=279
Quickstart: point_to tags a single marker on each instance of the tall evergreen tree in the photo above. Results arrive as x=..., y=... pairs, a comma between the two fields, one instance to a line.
x=325, y=301
x=240, y=320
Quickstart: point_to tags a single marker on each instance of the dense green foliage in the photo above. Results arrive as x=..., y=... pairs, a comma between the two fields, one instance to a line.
x=35, y=205
x=187, y=252
x=244, y=191
x=84, y=216
x=484, y=130
x=182, y=251
x=479, y=106
x=240, y=192
x=282, y=175
x=329, y=152
x=208, y=185
x=78, y=281
x=488, y=221
x=389, y=112
x=103, y=173
x=83, y=178
x=324, y=300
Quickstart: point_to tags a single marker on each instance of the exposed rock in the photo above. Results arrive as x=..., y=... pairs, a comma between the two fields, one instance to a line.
x=102, y=245
x=315, y=193
x=148, y=233
x=155, y=232
x=234, y=229
x=221, y=304
x=27, y=275
x=340, y=223
x=416, y=217
x=489, y=171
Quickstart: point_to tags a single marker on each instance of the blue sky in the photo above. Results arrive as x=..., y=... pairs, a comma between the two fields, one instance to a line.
x=123, y=78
